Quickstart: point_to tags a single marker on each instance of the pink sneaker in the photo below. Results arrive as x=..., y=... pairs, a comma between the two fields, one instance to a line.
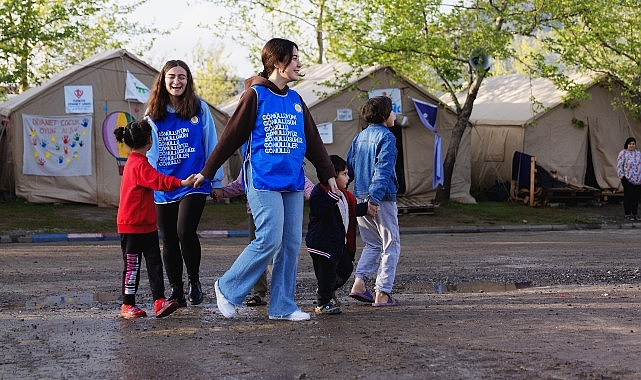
x=163, y=308
x=131, y=312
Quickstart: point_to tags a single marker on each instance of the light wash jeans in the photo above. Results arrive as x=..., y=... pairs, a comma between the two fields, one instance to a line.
x=382, y=246
x=279, y=231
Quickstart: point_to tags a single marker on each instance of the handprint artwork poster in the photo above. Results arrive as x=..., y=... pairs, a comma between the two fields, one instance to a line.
x=57, y=145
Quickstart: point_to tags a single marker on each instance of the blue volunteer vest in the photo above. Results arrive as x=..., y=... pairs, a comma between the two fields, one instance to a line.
x=277, y=142
x=180, y=153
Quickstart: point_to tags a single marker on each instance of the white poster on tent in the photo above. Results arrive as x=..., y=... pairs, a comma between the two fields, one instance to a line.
x=392, y=93
x=78, y=99
x=57, y=145
x=326, y=132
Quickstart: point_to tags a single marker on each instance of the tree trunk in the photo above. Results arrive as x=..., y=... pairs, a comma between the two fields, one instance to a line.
x=462, y=122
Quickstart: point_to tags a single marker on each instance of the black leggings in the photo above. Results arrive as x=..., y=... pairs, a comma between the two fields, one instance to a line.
x=178, y=222
x=134, y=247
x=631, y=194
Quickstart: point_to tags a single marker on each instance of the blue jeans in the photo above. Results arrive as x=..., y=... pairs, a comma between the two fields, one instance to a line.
x=279, y=231
x=382, y=246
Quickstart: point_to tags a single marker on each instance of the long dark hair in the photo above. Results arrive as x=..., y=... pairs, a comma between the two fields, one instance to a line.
x=135, y=134
x=276, y=50
x=159, y=98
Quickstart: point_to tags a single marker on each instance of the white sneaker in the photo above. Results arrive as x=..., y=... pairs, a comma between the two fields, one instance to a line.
x=295, y=316
x=226, y=308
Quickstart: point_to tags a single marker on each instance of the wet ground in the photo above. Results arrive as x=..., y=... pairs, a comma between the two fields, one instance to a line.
x=533, y=305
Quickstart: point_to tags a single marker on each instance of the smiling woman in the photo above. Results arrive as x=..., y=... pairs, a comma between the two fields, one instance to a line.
x=180, y=119
x=274, y=180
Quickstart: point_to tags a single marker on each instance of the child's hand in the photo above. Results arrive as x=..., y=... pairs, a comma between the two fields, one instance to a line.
x=217, y=194
x=189, y=181
x=372, y=209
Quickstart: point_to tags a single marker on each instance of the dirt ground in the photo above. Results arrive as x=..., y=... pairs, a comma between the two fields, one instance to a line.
x=510, y=305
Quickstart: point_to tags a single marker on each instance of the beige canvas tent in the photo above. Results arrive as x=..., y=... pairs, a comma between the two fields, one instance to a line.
x=105, y=76
x=336, y=111
x=577, y=144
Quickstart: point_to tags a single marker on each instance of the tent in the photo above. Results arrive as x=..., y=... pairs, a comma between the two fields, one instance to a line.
x=335, y=93
x=576, y=143
x=90, y=175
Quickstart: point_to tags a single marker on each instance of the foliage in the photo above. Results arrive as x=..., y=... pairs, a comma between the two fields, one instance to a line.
x=253, y=22
x=213, y=79
x=431, y=43
x=43, y=37
x=601, y=37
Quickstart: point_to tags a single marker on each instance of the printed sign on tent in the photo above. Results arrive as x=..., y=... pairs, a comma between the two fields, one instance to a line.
x=78, y=99
x=326, y=132
x=392, y=93
x=57, y=145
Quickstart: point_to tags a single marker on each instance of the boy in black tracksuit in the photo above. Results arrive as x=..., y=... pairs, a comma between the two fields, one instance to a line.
x=331, y=236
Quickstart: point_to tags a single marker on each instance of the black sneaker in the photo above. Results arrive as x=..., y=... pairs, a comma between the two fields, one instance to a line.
x=328, y=308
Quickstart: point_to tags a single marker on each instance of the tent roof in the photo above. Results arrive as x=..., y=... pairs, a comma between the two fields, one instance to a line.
x=517, y=99
x=7, y=107
x=315, y=85
x=321, y=80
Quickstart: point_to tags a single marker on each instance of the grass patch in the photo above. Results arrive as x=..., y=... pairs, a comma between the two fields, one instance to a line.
x=225, y=216
x=21, y=217
x=499, y=213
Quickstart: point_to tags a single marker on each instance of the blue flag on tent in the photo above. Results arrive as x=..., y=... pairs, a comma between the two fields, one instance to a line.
x=427, y=113
x=437, y=177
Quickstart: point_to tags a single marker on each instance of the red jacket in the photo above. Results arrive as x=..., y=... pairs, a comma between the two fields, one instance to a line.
x=136, y=211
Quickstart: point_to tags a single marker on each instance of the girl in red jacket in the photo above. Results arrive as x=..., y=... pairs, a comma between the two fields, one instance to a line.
x=137, y=221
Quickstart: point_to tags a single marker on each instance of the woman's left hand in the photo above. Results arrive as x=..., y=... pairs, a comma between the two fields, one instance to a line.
x=199, y=180
x=332, y=186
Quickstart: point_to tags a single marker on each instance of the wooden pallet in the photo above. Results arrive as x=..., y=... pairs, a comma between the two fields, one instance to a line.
x=412, y=205
x=573, y=195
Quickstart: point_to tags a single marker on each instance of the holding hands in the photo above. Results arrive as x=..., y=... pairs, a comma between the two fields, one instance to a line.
x=199, y=180
x=372, y=209
x=333, y=187
x=189, y=181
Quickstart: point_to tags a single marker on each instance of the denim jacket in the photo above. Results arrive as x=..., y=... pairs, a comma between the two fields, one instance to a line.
x=371, y=163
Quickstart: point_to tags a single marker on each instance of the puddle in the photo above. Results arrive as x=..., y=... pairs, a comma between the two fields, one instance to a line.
x=65, y=300
x=481, y=287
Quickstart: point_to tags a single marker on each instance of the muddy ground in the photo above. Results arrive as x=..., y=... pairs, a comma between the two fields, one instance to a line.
x=516, y=305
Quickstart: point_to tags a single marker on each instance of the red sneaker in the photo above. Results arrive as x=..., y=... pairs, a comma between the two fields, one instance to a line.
x=163, y=307
x=131, y=312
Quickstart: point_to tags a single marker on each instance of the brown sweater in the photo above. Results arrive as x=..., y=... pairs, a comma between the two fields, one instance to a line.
x=240, y=125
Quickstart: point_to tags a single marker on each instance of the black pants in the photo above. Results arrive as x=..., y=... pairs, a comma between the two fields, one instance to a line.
x=331, y=275
x=134, y=247
x=631, y=194
x=178, y=222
